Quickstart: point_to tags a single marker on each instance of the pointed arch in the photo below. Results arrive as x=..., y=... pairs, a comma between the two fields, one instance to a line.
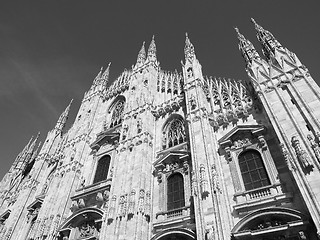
x=174, y=132
x=116, y=110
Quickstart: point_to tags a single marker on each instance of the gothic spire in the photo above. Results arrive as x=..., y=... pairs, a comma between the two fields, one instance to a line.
x=99, y=75
x=141, y=55
x=33, y=144
x=36, y=151
x=63, y=118
x=189, y=52
x=268, y=41
x=152, y=50
x=246, y=47
x=106, y=72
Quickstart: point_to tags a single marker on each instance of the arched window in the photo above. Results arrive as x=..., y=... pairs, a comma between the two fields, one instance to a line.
x=175, y=192
x=252, y=169
x=174, y=133
x=117, y=114
x=102, y=169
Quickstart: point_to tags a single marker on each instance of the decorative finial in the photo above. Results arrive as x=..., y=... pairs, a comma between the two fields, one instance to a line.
x=63, y=118
x=141, y=55
x=105, y=75
x=189, y=52
x=152, y=50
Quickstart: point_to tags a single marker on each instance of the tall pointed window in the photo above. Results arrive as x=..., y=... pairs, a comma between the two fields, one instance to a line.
x=174, y=133
x=175, y=192
x=117, y=114
x=252, y=169
x=102, y=169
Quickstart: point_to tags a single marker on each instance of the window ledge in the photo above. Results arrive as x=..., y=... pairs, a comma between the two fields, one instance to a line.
x=268, y=195
x=177, y=217
x=91, y=189
x=173, y=216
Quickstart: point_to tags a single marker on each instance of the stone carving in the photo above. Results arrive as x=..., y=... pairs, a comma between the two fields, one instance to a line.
x=203, y=181
x=131, y=207
x=209, y=233
x=99, y=197
x=125, y=131
x=147, y=209
x=45, y=188
x=82, y=182
x=262, y=142
x=32, y=214
x=159, y=176
x=194, y=184
x=123, y=205
x=193, y=102
x=141, y=201
x=139, y=125
x=215, y=181
x=185, y=167
x=302, y=235
x=171, y=166
x=314, y=146
x=81, y=203
x=87, y=229
x=287, y=157
x=230, y=100
x=242, y=142
x=301, y=154
x=112, y=207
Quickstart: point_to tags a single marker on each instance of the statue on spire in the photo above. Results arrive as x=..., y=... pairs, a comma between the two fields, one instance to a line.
x=152, y=50
x=63, y=119
x=246, y=47
x=189, y=52
x=268, y=41
x=141, y=56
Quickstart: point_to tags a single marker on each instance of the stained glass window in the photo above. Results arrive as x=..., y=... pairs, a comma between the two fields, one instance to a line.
x=175, y=192
x=174, y=134
x=252, y=169
x=117, y=114
x=102, y=169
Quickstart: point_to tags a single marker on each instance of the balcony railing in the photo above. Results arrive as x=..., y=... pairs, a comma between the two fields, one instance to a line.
x=173, y=214
x=258, y=196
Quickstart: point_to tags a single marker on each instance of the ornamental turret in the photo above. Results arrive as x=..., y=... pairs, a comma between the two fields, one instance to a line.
x=268, y=41
x=152, y=51
x=189, y=52
x=141, y=56
x=63, y=119
x=192, y=68
x=247, y=49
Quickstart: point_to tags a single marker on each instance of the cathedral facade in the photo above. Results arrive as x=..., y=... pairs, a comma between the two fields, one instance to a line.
x=161, y=155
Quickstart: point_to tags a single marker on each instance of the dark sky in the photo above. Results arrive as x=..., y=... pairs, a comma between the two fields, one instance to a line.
x=50, y=51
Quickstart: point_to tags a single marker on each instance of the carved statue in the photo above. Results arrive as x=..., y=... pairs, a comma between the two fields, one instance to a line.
x=301, y=154
x=139, y=125
x=87, y=229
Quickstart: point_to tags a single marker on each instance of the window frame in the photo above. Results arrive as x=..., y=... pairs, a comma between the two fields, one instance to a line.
x=242, y=153
x=167, y=191
x=96, y=168
x=167, y=128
